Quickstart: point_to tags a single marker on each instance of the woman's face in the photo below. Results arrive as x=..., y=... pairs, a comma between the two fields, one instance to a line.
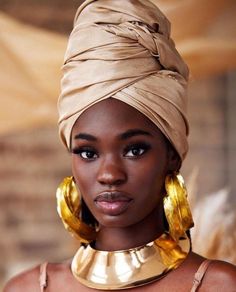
x=119, y=162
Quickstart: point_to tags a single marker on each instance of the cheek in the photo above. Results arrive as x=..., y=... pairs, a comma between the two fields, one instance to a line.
x=149, y=189
x=75, y=168
x=151, y=177
x=82, y=175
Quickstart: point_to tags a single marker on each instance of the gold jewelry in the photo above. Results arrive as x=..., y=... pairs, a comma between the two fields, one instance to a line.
x=113, y=270
x=176, y=206
x=69, y=207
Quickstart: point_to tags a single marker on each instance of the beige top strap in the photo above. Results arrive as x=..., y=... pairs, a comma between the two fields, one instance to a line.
x=43, y=276
x=200, y=274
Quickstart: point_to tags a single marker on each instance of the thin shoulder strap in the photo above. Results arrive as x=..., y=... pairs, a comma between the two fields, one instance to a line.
x=43, y=277
x=200, y=274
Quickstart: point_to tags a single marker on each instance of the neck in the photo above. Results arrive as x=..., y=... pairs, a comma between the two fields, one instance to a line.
x=121, y=238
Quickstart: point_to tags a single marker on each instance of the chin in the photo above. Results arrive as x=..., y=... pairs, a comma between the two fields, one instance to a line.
x=119, y=221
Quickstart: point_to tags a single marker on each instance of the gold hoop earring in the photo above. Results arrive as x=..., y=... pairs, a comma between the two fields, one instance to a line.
x=69, y=207
x=176, y=206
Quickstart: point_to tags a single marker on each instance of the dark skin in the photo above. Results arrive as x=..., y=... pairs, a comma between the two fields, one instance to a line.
x=122, y=150
x=115, y=159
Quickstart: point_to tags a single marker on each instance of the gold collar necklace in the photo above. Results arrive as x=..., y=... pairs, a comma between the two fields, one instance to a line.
x=124, y=269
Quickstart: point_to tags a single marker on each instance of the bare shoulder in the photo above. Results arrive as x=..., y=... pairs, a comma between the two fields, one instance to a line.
x=222, y=274
x=24, y=282
x=28, y=281
x=219, y=276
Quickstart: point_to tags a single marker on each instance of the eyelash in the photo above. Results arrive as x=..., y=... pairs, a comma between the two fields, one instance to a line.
x=144, y=147
x=138, y=146
x=81, y=150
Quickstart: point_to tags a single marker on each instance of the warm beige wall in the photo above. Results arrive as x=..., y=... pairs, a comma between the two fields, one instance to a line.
x=32, y=162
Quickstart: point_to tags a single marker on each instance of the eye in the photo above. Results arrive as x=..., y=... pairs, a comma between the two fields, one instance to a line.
x=136, y=150
x=86, y=153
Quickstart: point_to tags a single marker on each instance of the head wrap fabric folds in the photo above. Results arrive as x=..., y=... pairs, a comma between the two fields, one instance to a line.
x=122, y=49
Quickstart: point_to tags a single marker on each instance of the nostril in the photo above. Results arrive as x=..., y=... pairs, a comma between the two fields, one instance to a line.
x=111, y=176
x=111, y=180
x=112, y=183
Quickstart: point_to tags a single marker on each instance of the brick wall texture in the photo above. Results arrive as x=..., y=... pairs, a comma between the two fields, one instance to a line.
x=34, y=162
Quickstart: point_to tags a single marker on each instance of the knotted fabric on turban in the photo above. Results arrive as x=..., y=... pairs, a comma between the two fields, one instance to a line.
x=122, y=49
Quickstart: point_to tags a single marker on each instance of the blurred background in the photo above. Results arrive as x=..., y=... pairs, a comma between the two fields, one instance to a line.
x=33, y=36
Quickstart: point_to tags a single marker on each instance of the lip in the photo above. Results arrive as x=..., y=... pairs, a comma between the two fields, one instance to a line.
x=113, y=203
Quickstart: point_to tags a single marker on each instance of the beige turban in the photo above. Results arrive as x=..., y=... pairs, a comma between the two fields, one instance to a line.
x=122, y=49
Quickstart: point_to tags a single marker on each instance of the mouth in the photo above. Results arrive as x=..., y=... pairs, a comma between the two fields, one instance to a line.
x=113, y=203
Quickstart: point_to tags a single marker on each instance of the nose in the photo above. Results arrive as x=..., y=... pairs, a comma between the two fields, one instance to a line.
x=111, y=173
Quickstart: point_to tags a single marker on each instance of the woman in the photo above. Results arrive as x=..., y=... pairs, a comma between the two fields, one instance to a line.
x=123, y=117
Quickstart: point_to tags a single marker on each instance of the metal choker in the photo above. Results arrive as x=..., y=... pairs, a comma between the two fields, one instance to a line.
x=124, y=269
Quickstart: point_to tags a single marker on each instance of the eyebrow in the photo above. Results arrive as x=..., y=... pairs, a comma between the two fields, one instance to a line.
x=126, y=135
x=85, y=136
x=132, y=133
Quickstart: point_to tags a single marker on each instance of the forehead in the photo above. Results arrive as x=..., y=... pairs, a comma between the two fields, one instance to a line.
x=112, y=115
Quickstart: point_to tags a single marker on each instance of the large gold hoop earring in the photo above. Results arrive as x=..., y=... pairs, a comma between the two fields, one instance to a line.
x=69, y=207
x=176, y=206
